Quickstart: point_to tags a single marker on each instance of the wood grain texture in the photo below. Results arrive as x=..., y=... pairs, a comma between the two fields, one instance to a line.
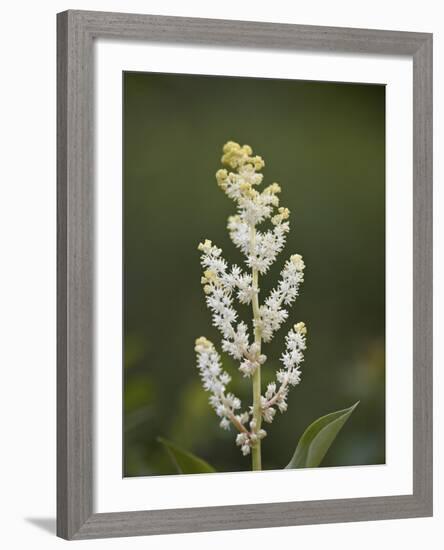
x=223, y=518
x=247, y=33
x=423, y=273
x=76, y=31
x=75, y=277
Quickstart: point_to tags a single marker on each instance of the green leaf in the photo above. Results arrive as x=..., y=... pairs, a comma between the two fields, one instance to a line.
x=318, y=437
x=184, y=461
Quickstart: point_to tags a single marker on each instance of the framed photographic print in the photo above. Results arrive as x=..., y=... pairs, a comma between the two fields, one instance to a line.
x=244, y=274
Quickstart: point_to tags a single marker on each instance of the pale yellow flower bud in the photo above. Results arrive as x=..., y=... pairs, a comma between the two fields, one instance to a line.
x=230, y=145
x=202, y=344
x=284, y=212
x=221, y=177
x=300, y=327
x=210, y=276
x=272, y=189
x=205, y=246
x=298, y=262
x=236, y=156
x=258, y=162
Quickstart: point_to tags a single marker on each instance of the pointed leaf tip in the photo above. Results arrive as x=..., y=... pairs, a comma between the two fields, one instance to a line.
x=318, y=437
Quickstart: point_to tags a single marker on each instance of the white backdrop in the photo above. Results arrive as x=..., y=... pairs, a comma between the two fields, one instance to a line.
x=27, y=304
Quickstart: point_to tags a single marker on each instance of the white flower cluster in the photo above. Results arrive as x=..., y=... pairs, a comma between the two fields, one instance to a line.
x=245, y=440
x=215, y=380
x=221, y=285
x=289, y=376
x=263, y=252
x=272, y=312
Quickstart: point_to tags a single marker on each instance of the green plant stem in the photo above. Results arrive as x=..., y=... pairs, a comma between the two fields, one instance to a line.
x=257, y=413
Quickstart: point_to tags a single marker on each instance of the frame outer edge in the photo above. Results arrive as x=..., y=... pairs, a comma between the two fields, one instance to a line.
x=74, y=276
x=62, y=494
x=423, y=274
x=75, y=33
x=256, y=34
x=256, y=516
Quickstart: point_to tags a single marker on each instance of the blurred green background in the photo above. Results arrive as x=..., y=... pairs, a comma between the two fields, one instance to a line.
x=325, y=144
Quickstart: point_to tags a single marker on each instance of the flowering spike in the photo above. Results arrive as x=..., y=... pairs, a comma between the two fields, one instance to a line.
x=240, y=180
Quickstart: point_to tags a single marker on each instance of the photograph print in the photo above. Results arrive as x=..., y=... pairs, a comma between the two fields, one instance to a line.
x=254, y=274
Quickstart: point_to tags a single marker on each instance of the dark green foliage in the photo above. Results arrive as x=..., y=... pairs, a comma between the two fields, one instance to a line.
x=317, y=439
x=325, y=144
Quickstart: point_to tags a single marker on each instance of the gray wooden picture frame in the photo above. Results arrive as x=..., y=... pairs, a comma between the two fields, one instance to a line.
x=76, y=32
